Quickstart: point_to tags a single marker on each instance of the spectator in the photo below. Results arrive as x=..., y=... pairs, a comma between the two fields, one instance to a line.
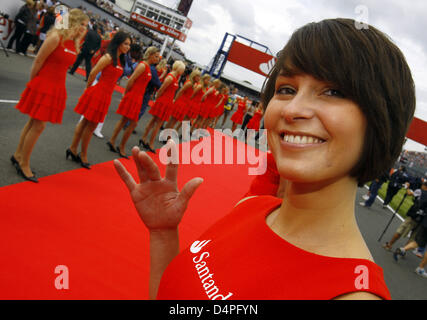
x=373, y=191
x=398, y=178
x=421, y=237
x=21, y=20
x=91, y=44
x=46, y=22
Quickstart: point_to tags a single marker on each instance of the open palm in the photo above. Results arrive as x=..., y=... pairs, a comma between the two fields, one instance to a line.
x=158, y=201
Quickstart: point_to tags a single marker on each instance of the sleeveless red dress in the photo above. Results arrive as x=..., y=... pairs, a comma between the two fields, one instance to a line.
x=95, y=101
x=237, y=117
x=45, y=96
x=254, y=123
x=241, y=258
x=216, y=111
x=182, y=105
x=209, y=104
x=195, y=103
x=163, y=106
x=131, y=103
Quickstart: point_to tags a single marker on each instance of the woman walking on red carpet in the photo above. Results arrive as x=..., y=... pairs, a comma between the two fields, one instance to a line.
x=130, y=105
x=163, y=106
x=45, y=96
x=95, y=101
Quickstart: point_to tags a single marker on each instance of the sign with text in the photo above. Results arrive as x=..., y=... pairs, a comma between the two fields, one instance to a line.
x=159, y=27
x=251, y=58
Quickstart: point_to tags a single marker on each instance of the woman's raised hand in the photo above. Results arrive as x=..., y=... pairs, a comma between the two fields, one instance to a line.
x=158, y=201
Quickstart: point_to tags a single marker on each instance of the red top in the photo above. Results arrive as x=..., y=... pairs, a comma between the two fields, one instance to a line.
x=241, y=258
x=45, y=95
x=163, y=106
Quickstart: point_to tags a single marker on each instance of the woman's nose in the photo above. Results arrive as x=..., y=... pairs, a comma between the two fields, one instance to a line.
x=300, y=107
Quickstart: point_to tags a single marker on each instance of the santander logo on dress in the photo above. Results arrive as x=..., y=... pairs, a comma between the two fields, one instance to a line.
x=204, y=273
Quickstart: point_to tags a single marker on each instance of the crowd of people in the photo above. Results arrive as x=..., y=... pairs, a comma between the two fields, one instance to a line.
x=313, y=144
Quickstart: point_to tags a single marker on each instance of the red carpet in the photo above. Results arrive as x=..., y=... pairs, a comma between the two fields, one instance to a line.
x=85, y=220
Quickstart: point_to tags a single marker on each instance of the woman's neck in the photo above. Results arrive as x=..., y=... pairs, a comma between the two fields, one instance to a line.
x=317, y=214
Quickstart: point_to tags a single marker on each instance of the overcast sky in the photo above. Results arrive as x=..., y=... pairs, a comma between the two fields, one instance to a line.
x=271, y=22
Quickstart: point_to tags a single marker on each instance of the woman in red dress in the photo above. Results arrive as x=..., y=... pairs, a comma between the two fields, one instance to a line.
x=209, y=100
x=131, y=103
x=255, y=121
x=196, y=99
x=45, y=95
x=237, y=117
x=95, y=101
x=162, y=108
x=218, y=110
x=182, y=105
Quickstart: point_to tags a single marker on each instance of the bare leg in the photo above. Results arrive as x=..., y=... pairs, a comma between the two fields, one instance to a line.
x=155, y=131
x=424, y=261
x=119, y=126
x=126, y=135
x=24, y=132
x=396, y=237
x=31, y=138
x=411, y=245
x=78, y=135
x=86, y=137
x=147, y=130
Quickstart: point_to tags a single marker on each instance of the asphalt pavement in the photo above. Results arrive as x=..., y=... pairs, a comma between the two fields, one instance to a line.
x=48, y=158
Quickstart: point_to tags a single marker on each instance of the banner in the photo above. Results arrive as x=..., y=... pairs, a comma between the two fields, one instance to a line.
x=159, y=27
x=250, y=58
x=418, y=131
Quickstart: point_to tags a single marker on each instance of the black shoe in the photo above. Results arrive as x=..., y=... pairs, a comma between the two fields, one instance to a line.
x=151, y=150
x=74, y=157
x=143, y=144
x=122, y=155
x=85, y=165
x=398, y=252
x=112, y=149
x=14, y=161
x=22, y=174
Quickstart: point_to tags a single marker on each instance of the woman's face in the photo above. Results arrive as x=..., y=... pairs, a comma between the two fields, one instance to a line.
x=197, y=79
x=154, y=58
x=315, y=133
x=125, y=46
x=81, y=29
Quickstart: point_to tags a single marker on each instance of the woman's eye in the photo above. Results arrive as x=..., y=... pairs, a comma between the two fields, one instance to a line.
x=285, y=90
x=334, y=93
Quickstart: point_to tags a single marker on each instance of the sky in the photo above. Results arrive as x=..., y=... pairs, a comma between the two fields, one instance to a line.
x=271, y=23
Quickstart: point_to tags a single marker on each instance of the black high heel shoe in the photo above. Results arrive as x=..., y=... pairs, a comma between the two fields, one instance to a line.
x=16, y=163
x=74, y=157
x=85, y=165
x=112, y=149
x=22, y=174
x=143, y=144
x=121, y=154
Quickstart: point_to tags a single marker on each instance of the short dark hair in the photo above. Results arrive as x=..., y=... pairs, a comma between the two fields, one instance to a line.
x=368, y=68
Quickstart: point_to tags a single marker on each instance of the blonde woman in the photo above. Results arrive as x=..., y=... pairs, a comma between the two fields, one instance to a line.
x=209, y=101
x=45, y=95
x=161, y=110
x=182, y=99
x=162, y=69
x=196, y=99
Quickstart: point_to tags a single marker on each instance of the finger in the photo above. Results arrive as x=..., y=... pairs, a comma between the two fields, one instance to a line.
x=151, y=170
x=189, y=189
x=172, y=167
x=140, y=169
x=124, y=175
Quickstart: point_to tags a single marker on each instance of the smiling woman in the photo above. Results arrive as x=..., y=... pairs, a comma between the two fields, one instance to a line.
x=339, y=102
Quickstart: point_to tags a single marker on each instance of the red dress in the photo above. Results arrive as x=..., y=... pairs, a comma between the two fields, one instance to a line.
x=45, y=96
x=131, y=103
x=237, y=117
x=182, y=105
x=162, y=107
x=218, y=109
x=241, y=258
x=254, y=123
x=95, y=101
x=194, y=111
x=209, y=104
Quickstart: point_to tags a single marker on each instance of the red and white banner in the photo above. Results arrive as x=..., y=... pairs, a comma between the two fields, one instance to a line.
x=250, y=58
x=159, y=27
x=418, y=131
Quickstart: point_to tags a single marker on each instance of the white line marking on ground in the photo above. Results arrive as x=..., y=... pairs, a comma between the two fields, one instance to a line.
x=9, y=101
